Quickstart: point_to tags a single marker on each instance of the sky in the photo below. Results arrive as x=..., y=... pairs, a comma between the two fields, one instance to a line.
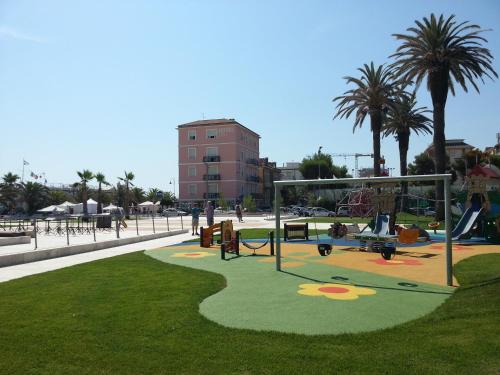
x=102, y=85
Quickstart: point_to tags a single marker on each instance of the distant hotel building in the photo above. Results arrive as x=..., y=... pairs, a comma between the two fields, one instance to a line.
x=217, y=158
x=290, y=171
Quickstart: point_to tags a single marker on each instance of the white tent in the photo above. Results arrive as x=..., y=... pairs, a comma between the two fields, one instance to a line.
x=66, y=206
x=146, y=207
x=52, y=209
x=111, y=207
x=91, y=206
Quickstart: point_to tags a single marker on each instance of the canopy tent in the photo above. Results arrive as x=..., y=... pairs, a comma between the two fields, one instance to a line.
x=147, y=207
x=66, y=206
x=91, y=207
x=111, y=207
x=52, y=209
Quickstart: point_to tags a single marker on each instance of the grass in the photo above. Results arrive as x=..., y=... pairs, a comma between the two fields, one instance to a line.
x=132, y=314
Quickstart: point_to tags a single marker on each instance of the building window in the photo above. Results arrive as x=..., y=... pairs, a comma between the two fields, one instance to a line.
x=192, y=135
x=213, y=188
x=191, y=171
x=191, y=153
x=211, y=133
x=212, y=151
x=192, y=189
x=213, y=169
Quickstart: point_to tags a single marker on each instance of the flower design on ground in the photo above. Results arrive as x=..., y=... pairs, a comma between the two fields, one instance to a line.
x=396, y=262
x=335, y=291
x=197, y=254
x=454, y=247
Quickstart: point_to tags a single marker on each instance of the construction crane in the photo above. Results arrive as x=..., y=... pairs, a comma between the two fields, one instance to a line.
x=356, y=156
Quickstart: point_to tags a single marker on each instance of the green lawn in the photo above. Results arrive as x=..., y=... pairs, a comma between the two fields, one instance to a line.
x=132, y=314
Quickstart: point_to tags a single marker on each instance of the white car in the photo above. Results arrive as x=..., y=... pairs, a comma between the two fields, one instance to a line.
x=321, y=212
x=343, y=211
x=173, y=212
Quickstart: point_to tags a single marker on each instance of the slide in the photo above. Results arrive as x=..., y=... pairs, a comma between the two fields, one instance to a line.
x=381, y=225
x=465, y=224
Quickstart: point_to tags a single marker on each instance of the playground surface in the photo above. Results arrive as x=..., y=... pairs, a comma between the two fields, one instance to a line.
x=347, y=292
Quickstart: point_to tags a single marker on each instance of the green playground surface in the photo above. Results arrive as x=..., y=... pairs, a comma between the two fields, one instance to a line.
x=260, y=298
x=133, y=314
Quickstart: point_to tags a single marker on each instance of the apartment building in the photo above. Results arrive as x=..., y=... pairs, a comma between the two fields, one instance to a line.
x=217, y=158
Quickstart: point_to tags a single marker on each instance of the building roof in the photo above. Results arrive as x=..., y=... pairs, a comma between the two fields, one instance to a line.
x=451, y=143
x=485, y=170
x=218, y=121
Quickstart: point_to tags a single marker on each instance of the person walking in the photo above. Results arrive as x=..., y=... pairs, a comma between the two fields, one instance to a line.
x=209, y=211
x=239, y=213
x=195, y=219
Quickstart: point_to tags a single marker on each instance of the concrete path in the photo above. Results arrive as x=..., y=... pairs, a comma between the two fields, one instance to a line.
x=22, y=270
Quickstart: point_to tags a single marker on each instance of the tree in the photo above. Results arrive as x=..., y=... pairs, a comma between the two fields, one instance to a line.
x=85, y=177
x=249, y=203
x=101, y=180
x=152, y=194
x=168, y=199
x=319, y=165
x=57, y=197
x=9, y=190
x=34, y=195
x=138, y=195
x=129, y=176
x=403, y=119
x=372, y=95
x=423, y=164
x=222, y=202
x=446, y=52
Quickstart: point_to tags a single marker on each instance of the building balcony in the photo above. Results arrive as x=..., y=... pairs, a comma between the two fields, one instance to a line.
x=257, y=195
x=253, y=161
x=211, y=195
x=211, y=177
x=253, y=178
x=211, y=159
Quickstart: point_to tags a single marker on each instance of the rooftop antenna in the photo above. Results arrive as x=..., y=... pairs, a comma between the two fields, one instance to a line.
x=203, y=115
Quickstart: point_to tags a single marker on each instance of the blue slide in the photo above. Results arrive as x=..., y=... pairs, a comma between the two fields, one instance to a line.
x=466, y=223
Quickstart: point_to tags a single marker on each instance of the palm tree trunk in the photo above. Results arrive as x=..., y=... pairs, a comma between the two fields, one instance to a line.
x=439, y=92
x=403, y=144
x=376, y=125
x=84, y=199
x=99, y=200
x=127, y=196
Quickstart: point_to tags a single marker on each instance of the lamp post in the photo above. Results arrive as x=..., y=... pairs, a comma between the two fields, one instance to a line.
x=319, y=162
x=173, y=179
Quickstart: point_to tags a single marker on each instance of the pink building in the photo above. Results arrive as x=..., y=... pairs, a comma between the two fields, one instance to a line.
x=217, y=158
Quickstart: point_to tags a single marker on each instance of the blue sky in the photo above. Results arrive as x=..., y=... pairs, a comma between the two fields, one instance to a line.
x=103, y=84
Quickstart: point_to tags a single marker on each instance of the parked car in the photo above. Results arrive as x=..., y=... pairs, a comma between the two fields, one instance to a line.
x=343, y=211
x=429, y=211
x=321, y=212
x=173, y=212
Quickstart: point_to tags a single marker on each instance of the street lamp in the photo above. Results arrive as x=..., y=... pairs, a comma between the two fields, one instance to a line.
x=319, y=162
x=173, y=185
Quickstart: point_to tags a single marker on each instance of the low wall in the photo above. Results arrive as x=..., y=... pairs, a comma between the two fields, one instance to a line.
x=37, y=255
x=5, y=241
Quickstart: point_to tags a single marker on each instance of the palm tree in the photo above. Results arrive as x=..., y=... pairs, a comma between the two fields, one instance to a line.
x=35, y=195
x=85, y=177
x=129, y=176
x=445, y=52
x=9, y=190
x=138, y=195
x=101, y=180
x=400, y=122
x=372, y=95
x=152, y=194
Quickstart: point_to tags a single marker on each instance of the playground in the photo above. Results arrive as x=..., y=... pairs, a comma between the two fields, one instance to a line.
x=351, y=291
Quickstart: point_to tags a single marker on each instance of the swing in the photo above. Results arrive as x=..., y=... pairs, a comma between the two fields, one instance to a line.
x=324, y=249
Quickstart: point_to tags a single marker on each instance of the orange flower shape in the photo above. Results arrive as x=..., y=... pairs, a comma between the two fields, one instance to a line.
x=198, y=254
x=397, y=262
x=335, y=291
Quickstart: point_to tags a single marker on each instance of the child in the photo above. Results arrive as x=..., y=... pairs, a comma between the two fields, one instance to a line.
x=195, y=214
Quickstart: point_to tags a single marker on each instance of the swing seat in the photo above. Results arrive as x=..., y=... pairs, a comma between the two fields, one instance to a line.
x=324, y=249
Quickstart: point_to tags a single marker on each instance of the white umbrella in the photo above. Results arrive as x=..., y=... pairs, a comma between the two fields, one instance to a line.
x=48, y=209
